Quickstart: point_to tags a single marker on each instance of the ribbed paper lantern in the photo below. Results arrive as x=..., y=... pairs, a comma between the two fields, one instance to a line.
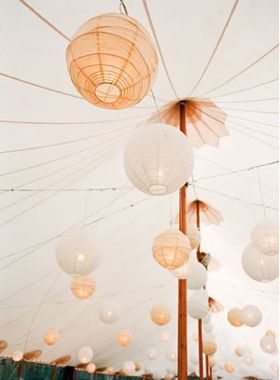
x=194, y=272
x=128, y=367
x=268, y=344
x=124, y=338
x=165, y=336
x=158, y=159
x=265, y=238
x=51, y=337
x=112, y=61
x=235, y=317
x=160, y=315
x=229, y=367
x=151, y=353
x=85, y=354
x=198, y=306
x=251, y=315
x=78, y=251
x=258, y=266
x=270, y=333
x=171, y=249
x=17, y=356
x=209, y=347
x=194, y=236
x=91, y=368
x=109, y=312
x=83, y=287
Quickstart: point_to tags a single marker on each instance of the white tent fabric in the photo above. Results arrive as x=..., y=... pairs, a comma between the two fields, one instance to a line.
x=70, y=171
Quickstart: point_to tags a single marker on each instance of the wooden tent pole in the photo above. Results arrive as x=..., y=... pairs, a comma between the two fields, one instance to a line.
x=54, y=372
x=207, y=367
x=200, y=342
x=210, y=373
x=182, y=284
x=20, y=369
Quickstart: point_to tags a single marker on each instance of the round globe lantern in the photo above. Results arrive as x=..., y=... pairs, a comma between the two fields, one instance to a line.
x=235, y=317
x=51, y=337
x=124, y=338
x=85, y=354
x=91, y=368
x=194, y=272
x=268, y=344
x=160, y=315
x=198, y=305
x=229, y=367
x=251, y=315
x=265, y=237
x=128, y=367
x=83, y=287
x=109, y=312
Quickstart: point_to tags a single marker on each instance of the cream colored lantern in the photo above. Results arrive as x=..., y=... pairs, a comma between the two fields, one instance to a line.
x=235, y=317
x=124, y=338
x=51, y=337
x=265, y=237
x=160, y=315
x=83, y=287
x=91, y=368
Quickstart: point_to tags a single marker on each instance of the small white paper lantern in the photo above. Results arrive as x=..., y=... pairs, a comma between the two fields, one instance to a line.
x=91, y=368
x=158, y=159
x=171, y=249
x=260, y=267
x=265, y=237
x=78, y=251
x=85, y=355
x=109, y=312
x=270, y=333
x=151, y=353
x=248, y=360
x=198, y=306
x=128, y=367
x=268, y=344
x=243, y=350
x=251, y=315
x=17, y=356
x=209, y=346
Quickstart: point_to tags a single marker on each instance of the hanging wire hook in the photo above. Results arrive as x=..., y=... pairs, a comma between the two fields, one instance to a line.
x=123, y=8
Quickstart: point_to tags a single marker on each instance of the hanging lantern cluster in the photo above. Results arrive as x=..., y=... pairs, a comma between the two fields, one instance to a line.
x=250, y=316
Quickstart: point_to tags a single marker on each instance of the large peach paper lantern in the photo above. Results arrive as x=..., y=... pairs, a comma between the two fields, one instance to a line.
x=124, y=338
x=235, y=317
x=109, y=312
x=83, y=287
x=112, y=61
x=209, y=347
x=171, y=249
x=158, y=159
x=51, y=337
x=160, y=315
x=260, y=267
x=194, y=272
x=265, y=237
x=229, y=367
x=85, y=354
x=251, y=315
x=78, y=251
x=198, y=305
x=268, y=344
x=91, y=368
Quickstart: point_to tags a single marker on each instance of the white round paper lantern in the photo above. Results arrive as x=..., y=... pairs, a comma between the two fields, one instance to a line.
x=85, y=355
x=265, y=237
x=165, y=336
x=17, y=356
x=258, y=266
x=251, y=315
x=235, y=317
x=151, y=353
x=198, y=306
x=109, y=312
x=248, y=360
x=194, y=272
x=171, y=356
x=160, y=315
x=194, y=236
x=78, y=251
x=270, y=333
x=51, y=337
x=171, y=249
x=158, y=159
x=268, y=344
x=128, y=367
x=91, y=368
x=83, y=287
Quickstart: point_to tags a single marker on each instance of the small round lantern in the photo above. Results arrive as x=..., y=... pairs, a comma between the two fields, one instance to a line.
x=198, y=305
x=260, y=267
x=265, y=238
x=128, y=367
x=243, y=351
x=91, y=368
x=194, y=272
x=235, y=317
x=251, y=315
x=124, y=338
x=109, y=312
x=85, y=355
x=51, y=337
x=209, y=347
x=112, y=61
x=268, y=344
x=160, y=315
x=158, y=159
x=78, y=251
x=83, y=287
x=17, y=356
x=229, y=367
x=151, y=353
x=171, y=249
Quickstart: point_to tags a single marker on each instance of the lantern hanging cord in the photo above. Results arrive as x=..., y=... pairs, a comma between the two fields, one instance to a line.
x=260, y=191
x=123, y=8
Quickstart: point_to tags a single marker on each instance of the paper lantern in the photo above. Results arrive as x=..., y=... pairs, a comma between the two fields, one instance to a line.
x=194, y=236
x=229, y=367
x=151, y=353
x=110, y=370
x=251, y=315
x=91, y=368
x=212, y=362
x=270, y=333
x=171, y=356
x=198, y=306
x=112, y=61
x=235, y=317
x=51, y=337
x=260, y=267
x=78, y=251
x=209, y=347
x=274, y=367
x=83, y=287
x=165, y=336
x=128, y=367
x=248, y=360
x=194, y=272
x=124, y=338
x=243, y=350
x=85, y=354
x=265, y=238
x=268, y=344
x=17, y=356
x=109, y=312
x=158, y=159
x=138, y=366
x=160, y=315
